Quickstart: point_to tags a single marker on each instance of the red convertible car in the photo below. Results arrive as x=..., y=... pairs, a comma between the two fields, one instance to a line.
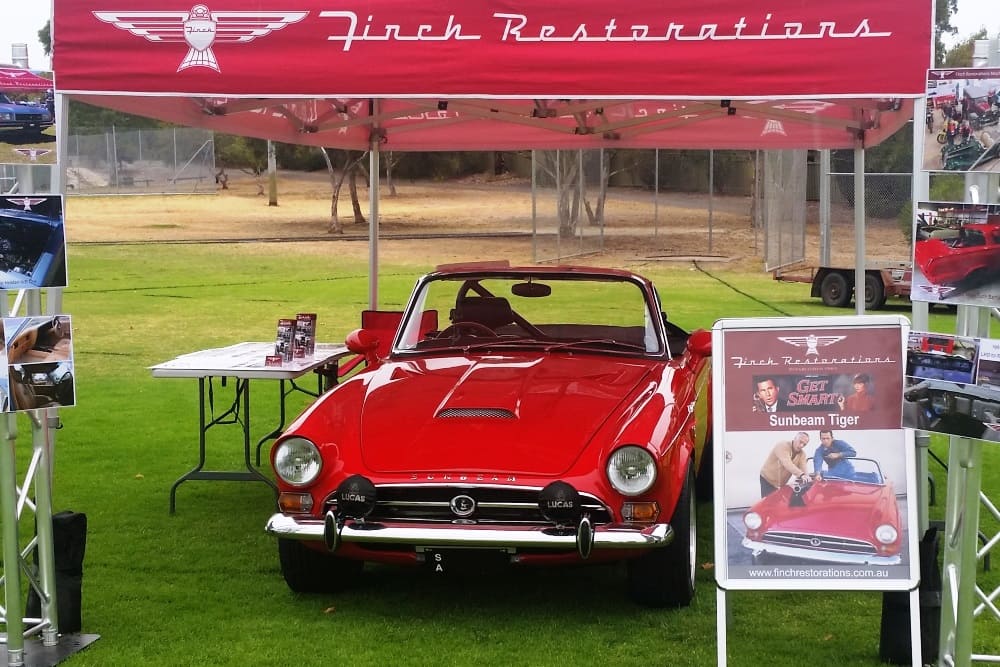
x=851, y=518
x=542, y=415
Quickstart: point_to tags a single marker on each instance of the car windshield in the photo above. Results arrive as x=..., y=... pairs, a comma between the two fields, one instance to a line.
x=865, y=471
x=557, y=312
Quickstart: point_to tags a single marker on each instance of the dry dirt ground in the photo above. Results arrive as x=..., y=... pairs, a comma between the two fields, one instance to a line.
x=473, y=219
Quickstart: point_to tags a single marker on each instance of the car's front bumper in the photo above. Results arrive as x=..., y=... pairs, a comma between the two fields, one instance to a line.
x=821, y=555
x=616, y=536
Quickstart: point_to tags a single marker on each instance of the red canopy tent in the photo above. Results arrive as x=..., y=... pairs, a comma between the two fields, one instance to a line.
x=504, y=74
x=18, y=79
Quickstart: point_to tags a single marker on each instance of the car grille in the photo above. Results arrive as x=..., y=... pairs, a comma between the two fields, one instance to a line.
x=495, y=505
x=29, y=117
x=819, y=542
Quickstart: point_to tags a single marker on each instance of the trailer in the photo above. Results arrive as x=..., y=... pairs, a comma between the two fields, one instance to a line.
x=835, y=285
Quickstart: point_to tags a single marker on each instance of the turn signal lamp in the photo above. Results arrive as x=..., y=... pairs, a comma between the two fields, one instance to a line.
x=640, y=512
x=295, y=503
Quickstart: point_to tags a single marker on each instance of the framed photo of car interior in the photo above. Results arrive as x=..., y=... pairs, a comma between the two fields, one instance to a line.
x=956, y=254
x=37, y=370
x=32, y=242
x=953, y=385
x=963, y=120
x=814, y=478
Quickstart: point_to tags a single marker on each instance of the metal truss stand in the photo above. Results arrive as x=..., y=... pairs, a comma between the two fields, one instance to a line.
x=962, y=599
x=26, y=528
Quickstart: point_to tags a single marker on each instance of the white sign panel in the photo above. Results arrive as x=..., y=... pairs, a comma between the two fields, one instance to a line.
x=814, y=478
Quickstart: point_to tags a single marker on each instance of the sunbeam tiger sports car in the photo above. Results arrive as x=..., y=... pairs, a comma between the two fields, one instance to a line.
x=544, y=415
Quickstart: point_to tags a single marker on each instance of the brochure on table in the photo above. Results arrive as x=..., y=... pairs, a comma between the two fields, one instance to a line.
x=814, y=477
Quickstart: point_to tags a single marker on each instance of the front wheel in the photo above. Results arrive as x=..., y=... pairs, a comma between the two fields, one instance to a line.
x=309, y=571
x=665, y=577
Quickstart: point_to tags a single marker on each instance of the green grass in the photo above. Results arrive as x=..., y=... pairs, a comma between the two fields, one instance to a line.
x=203, y=586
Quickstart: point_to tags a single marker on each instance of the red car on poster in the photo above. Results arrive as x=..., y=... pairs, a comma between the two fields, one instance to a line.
x=971, y=258
x=853, y=518
x=539, y=415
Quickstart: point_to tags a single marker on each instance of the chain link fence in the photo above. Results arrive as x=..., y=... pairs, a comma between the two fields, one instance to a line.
x=584, y=200
x=167, y=161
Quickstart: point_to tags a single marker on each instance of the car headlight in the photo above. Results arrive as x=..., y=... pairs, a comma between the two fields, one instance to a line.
x=297, y=461
x=752, y=520
x=631, y=470
x=886, y=534
x=6, y=115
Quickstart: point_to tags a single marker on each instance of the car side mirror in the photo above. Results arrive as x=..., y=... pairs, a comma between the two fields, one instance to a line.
x=700, y=343
x=365, y=343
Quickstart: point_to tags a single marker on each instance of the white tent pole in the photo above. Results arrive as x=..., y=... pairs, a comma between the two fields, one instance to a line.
x=373, y=180
x=859, y=227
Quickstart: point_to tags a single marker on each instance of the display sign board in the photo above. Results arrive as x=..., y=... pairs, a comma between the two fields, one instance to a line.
x=956, y=253
x=953, y=385
x=963, y=120
x=37, y=369
x=814, y=478
x=32, y=242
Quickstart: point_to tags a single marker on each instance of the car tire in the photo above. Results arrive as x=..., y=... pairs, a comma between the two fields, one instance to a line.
x=874, y=292
x=705, y=479
x=665, y=577
x=834, y=290
x=309, y=571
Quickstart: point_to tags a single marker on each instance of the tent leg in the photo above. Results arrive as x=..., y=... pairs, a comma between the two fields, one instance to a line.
x=859, y=228
x=373, y=181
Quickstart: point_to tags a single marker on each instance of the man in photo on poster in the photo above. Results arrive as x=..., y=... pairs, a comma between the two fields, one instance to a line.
x=835, y=454
x=767, y=395
x=786, y=459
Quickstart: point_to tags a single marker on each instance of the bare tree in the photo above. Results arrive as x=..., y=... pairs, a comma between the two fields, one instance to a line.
x=568, y=170
x=350, y=167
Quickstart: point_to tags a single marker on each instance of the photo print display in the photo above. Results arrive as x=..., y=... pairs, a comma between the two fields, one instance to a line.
x=962, y=122
x=956, y=254
x=813, y=473
x=38, y=364
x=32, y=242
x=953, y=385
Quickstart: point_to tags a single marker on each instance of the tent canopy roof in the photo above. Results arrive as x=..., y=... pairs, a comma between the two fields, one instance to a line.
x=17, y=79
x=452, y=75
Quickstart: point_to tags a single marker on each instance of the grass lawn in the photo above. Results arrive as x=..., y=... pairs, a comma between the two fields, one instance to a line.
x=202, y=587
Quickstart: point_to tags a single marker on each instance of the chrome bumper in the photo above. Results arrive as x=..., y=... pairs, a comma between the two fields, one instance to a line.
x=605, y=537
x=825, y=556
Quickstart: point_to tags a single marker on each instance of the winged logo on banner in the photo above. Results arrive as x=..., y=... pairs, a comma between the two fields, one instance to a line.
x=26, y=202
x=33, y=153
x=940, y=291
x=200, y=29
x=811, y=342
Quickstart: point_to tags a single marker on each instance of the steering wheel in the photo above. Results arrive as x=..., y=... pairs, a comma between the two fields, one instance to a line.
x=472, y=329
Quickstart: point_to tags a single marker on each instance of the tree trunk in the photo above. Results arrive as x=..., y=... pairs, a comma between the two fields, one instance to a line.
x=335, y=185
x=359, y=217
x=389, y=164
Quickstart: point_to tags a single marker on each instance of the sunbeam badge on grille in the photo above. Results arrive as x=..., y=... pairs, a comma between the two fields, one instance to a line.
x=462, y=506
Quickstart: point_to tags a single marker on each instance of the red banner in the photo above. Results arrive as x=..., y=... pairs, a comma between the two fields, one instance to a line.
x=436, y=48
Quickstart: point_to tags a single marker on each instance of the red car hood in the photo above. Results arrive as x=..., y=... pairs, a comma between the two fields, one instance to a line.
x=834, y=508
x=505, y=414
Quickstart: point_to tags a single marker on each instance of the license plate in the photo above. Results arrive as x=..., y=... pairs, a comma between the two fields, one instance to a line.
x=463, y=560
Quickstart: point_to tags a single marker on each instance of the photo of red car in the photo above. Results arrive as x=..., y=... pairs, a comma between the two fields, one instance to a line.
x=850, y=517
x=536, y=415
